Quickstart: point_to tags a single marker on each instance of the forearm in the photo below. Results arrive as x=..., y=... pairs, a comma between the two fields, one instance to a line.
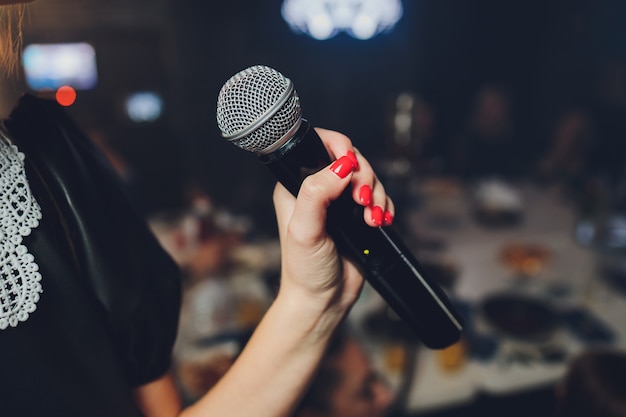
x=275, y=368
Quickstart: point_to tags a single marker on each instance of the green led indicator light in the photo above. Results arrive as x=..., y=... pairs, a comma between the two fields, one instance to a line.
x=366, y=251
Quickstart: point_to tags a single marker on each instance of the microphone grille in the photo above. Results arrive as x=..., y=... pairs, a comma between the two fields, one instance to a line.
x=257, y=107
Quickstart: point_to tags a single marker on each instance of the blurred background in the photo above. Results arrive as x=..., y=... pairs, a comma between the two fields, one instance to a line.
x=497, y=127
x=548, y=56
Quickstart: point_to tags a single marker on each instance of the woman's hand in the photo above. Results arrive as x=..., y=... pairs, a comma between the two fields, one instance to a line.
x=310, y=263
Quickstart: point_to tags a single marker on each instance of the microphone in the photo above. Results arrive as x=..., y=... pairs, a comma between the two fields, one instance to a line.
x=259, y=111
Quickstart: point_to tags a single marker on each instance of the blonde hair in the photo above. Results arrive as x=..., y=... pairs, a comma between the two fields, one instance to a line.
x=11, y=18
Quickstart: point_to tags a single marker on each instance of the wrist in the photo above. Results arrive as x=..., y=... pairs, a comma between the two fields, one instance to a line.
x=318, y=313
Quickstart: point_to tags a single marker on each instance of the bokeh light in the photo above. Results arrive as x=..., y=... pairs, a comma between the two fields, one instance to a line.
x=144, y=107
x=66, y=96
x=323, y=19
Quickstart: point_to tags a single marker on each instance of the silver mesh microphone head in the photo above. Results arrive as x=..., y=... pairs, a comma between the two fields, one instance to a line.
x=258, y=109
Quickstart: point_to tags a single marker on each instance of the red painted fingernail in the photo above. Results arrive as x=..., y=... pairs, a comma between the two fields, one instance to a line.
x=387, y=218
x=342, y=166
x=365, y=195
x=377, y=215
x=352, y=157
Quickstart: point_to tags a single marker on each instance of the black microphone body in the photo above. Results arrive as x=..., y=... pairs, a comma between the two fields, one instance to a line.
x=386, y=263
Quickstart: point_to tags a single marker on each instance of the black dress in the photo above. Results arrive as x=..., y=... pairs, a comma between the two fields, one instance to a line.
x=107, y=318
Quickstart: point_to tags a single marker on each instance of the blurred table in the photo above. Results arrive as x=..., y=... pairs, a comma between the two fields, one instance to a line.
x=443, y=212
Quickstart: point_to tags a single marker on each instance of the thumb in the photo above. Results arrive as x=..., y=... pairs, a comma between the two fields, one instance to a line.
x=308, y=215
x=284, y=203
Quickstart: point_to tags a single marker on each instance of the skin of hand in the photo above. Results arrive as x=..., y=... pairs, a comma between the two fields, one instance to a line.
x=317, y=289
x=309, y=258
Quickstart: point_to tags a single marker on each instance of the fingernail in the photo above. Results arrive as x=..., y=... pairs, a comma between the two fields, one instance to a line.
x=377, y=215
x=342, y=166
x=387, y=218
x=365, y=195
x=352, y=157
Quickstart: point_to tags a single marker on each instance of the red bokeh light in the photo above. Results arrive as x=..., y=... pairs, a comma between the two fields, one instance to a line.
x=66, y=96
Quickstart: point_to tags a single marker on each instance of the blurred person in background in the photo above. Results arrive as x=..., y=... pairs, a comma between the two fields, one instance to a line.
x=608, y=110
x=90, y=301
x=487, y=145
x=594, y=386
x=566, y=160
x=346, y=384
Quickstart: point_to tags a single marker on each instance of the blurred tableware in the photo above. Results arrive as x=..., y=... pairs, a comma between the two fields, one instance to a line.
x=606, y=237
x=497, y=204
x=394, y=357
x=453, y=357
x=526, y=259
x=604, y=233
x=520, y=317
x=587, y=327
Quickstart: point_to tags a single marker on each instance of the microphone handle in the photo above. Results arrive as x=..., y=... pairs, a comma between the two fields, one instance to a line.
x=386, y=263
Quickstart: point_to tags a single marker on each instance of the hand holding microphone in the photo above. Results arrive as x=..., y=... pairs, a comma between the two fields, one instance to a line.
x=310, y=260
x=259, y=111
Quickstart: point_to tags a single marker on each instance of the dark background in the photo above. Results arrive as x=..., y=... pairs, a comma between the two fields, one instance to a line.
x=551, y=55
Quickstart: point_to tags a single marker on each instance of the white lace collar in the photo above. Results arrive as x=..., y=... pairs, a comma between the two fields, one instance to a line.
x=20, y=281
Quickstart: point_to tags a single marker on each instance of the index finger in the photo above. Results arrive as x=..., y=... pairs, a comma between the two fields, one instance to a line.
x=336, y=144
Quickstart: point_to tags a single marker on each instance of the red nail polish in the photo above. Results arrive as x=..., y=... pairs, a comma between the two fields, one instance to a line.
x=365, y=195
x=342, y=166
x=352, y=157
x=387, y=218
x=377, y=215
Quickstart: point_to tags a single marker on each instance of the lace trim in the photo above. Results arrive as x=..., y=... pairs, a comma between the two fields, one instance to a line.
x=20, y=281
